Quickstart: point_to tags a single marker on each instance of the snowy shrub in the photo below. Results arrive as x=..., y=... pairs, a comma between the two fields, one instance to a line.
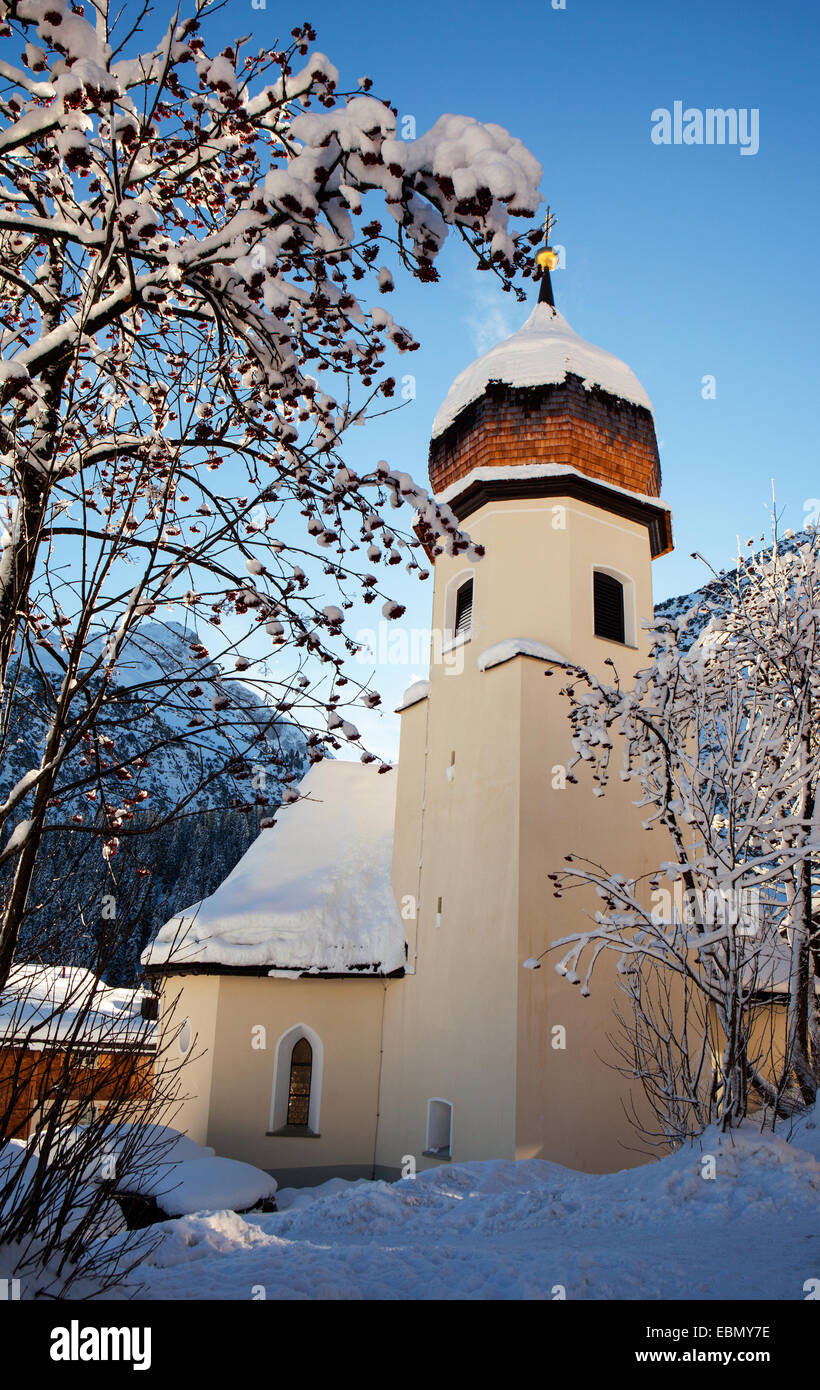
x=718, y=947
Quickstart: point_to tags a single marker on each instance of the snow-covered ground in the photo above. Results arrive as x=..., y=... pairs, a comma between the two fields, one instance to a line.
x=526, y=1230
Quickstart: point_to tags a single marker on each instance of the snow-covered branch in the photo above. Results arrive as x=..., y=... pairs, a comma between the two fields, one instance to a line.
x=720, y=738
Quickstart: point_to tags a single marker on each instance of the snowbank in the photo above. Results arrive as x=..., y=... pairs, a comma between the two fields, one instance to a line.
x=207, y=1184
x=313, y=893
x=63, y=1198
x=18, y=1169
x=182, y=1176
x=159, y=1143
x=731, y=1217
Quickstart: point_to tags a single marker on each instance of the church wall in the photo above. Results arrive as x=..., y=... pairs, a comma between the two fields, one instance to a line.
x=192, y=997
x=410, y=800
x=520, y=584
x=569, y=1098
x=254, y=1012
x=492, y=829
x=570, y=1101
x=450, y=1028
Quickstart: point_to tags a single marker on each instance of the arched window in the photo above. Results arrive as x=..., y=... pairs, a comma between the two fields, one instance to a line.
x=297, y=1082
x=608, y=600
x=439, y=1127
x=301, y=1066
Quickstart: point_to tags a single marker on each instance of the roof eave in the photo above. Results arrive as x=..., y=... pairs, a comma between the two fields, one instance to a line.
x=364, y=972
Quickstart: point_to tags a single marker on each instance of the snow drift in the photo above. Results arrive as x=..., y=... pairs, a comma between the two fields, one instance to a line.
x=744, y=1226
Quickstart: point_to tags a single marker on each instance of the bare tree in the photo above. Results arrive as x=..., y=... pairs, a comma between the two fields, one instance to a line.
x=717, y=947
x=187, y=237
x=182, y=235
x=84, y=1076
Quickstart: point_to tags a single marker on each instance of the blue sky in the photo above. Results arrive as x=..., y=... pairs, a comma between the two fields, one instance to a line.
x=686, y=261
x=683, y=260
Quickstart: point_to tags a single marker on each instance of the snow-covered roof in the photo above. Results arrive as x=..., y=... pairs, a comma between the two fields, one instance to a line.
x=312, y=894
x=419, y=690
x=543, y=352
x=514, y=472
x=44, y=1005
x=517, y=646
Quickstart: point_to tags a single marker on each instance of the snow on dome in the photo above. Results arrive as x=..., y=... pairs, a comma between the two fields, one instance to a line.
x=313, y=893
x=541, y=353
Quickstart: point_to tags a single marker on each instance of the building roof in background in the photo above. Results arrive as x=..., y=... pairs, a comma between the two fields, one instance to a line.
x=45, y=1005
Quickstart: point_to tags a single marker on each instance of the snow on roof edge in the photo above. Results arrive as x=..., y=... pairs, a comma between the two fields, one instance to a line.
x=486, y=473
x=511, y=647
x=415, y=692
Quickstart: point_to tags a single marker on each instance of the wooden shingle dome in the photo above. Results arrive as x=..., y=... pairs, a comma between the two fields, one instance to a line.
x=551, y=407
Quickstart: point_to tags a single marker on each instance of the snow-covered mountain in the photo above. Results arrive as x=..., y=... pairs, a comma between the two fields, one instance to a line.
x=713, y=597
x=197, y=765
x=150, y=708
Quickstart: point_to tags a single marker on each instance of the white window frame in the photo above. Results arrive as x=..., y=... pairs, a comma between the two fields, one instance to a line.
x=185, y=1037
x=438, y=1100
x=281, y=1077
x=627, y=583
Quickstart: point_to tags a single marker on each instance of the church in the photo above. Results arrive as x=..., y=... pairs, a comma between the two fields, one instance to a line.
x=357, y=999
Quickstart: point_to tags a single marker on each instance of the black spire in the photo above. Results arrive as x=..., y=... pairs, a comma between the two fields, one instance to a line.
x=545, y=295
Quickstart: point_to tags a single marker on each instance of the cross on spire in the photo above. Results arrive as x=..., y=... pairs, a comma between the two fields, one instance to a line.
x=547, y=259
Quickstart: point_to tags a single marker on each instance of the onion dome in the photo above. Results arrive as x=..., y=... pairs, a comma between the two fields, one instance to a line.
x=544, y=401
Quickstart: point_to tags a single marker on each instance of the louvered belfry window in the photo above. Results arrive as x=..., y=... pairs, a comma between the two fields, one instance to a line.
x=301, y=1066
x=608, y=596
x=464, y=610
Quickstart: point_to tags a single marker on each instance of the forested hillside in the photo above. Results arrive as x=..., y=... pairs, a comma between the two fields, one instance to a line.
x=233, y=772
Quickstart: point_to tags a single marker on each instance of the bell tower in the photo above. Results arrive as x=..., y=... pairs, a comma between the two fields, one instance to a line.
x=545, y=449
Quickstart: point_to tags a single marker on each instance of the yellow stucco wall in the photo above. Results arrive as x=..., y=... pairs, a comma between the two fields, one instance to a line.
x=479, y=826
x=347, y=1017
x=570, y=1101
x=472, y=1026
x=450, y=1028
x=195, y=998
